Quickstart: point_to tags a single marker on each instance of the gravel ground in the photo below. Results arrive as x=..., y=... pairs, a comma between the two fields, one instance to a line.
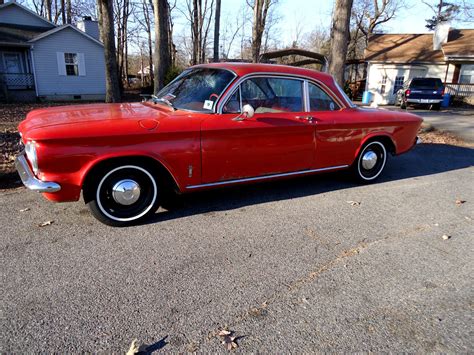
x=289, y=266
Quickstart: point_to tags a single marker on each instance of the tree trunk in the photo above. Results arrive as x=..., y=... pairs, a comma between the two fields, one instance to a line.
x=162, y=46
x=260, y=10
x=49, y=10
x=195, y=33
x=217, y=21
x=63, y=11
x=339, y=39
x=106, y=20
x=68, y=11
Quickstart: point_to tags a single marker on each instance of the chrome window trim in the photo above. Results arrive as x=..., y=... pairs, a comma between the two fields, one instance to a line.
x=226, y=97
x=265, y=177
x=306, y=96
x=223, y=98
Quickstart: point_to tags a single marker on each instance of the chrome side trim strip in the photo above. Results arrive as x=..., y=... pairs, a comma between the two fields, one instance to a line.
x=265, y=177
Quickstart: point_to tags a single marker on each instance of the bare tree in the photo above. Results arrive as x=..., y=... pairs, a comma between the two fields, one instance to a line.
x=199, y=14
x=260, y=11
x=367, y=16
x=48, y=6
x=162, y=42
x=106, y=18
x=68, y=11
x=217, y=21
x=341, y=17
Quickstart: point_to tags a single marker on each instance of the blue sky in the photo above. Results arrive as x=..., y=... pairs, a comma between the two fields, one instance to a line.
x=313, y=13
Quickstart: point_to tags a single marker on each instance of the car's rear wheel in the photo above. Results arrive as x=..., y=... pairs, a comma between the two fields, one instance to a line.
x=435, y=107
x=370, y=162
x=123, y=194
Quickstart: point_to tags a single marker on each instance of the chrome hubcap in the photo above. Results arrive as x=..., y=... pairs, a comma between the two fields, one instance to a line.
x=369, y=159
x=126, y=192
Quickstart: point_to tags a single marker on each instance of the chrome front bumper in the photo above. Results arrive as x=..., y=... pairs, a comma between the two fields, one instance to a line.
x=29, y=179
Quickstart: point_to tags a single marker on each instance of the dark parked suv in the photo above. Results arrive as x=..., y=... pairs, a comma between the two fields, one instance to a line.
x=421, y=91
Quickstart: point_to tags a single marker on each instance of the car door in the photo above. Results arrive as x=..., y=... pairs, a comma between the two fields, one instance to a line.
x=337, y=131
x=277, y=139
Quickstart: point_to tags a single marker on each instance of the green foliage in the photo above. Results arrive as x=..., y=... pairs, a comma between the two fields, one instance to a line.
x=172, y=73
x=446, y=11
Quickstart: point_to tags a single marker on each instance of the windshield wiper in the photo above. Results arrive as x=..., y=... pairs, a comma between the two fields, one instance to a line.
x=167, y=102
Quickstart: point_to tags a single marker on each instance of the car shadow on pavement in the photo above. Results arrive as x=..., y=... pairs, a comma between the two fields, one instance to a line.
x=423, y=160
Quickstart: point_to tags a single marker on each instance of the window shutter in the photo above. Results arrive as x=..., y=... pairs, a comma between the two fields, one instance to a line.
x=81, y=64
x=61, y=63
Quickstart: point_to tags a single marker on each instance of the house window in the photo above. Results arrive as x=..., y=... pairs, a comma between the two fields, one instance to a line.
x=398, y=83
x=72, y=64
x=466, y=79
x=384, y=84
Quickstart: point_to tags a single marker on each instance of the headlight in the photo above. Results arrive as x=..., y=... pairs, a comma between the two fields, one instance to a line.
x=30, y=150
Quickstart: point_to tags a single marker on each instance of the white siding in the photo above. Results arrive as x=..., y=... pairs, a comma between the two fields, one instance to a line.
x=376, y=72
x=13, y=14
x=50, y=78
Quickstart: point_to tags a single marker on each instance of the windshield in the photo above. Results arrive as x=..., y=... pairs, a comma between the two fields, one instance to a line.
x=195, y=89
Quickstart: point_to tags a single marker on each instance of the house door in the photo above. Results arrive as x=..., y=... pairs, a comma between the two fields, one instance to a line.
x=14, y=70
x=12, y=62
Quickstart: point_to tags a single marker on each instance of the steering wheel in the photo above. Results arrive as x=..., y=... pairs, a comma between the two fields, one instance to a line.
x=213, y=95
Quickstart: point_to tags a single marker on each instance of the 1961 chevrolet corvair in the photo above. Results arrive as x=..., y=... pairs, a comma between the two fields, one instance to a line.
x=215, y=125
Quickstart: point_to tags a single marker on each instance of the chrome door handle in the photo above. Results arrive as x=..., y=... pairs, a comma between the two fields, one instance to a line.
x=307, y=118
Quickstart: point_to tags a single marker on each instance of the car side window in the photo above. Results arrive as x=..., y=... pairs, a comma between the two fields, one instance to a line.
x=273, y=94
x=319, y=100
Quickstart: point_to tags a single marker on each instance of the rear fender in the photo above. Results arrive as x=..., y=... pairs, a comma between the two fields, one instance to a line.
x=372, y=136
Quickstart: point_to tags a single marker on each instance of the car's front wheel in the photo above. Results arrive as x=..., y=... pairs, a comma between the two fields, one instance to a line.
x=370, y=161
x=123, y=194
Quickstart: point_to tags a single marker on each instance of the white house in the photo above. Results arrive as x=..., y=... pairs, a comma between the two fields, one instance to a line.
x=39, y=60
x=447, y=54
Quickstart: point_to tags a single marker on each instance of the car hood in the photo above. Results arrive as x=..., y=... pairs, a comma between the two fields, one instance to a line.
x=74, y=114
x=94, y=120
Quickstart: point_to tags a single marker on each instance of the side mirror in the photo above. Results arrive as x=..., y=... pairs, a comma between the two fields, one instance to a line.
x=247, y=112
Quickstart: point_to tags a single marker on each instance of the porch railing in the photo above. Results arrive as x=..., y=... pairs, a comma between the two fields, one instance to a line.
x=17, y=81
x=463, y=90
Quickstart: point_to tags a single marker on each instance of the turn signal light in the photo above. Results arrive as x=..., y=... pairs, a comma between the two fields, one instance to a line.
x=407, y=92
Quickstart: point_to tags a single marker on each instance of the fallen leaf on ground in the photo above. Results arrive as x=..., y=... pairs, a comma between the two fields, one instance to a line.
x=446, y=237
x=353, y=203
x=460, y=202
x=136, y=348
x=25, y=209
x=228, y=339
x=47, y=223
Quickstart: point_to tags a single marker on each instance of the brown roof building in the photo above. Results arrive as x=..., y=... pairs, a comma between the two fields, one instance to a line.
x=418, y=48
x=392, y=59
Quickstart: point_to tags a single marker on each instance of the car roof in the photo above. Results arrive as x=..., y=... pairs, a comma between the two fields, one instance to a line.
x=242, y=69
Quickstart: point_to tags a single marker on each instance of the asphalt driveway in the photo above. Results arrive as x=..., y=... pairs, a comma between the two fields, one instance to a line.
x=457, y=121
x=312, y=264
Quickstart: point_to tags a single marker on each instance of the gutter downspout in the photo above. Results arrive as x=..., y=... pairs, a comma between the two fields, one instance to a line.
x=34, y=68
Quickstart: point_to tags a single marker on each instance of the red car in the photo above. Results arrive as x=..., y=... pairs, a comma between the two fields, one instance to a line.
x=215, y=125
